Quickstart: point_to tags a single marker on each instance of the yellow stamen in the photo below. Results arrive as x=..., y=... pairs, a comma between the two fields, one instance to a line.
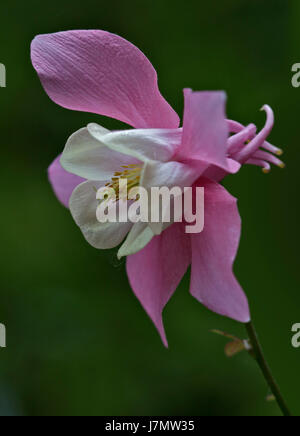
x=132, y=173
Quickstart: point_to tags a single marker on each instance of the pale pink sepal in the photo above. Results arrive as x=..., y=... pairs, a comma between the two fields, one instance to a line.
x=62, y=182
x=213, y=254
x=99, y=72
x=156, y=271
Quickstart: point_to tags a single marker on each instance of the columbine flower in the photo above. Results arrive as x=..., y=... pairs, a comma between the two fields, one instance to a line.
x=95, y=71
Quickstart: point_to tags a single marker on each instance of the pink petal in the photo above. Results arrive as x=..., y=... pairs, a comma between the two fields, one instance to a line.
x=205, y=129
x=156, y=271
x=96, y=71
x=213, y=253
x=63, y=183
x=217, y=174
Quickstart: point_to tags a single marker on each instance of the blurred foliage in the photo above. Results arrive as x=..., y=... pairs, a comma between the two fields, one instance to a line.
x=78, y=341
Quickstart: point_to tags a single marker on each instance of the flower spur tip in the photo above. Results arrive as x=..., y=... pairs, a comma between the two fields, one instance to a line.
x=266, y=170
x=279, y=152
x=282, y=165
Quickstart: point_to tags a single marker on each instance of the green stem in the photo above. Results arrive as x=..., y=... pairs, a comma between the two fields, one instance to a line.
x=257, y=353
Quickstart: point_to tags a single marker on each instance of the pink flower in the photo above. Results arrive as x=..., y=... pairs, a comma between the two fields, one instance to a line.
x=97, y=72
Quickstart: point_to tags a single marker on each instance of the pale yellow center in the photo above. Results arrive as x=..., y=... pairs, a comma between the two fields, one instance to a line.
x=132, y=173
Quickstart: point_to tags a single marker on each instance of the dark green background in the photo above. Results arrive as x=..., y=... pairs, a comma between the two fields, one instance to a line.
x=78, y=341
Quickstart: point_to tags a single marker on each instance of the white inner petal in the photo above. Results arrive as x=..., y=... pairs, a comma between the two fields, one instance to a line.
x=89, y=158
x=143, y=144
x=83, y=206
